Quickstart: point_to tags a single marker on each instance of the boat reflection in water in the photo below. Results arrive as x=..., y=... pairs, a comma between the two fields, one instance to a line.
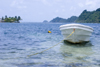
x=76, y=53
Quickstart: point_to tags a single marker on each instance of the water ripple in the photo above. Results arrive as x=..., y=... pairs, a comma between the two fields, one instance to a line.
x=17, y=41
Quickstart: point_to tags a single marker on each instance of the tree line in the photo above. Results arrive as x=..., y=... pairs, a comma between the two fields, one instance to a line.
x=84, y=17
x=11, y=19
x=58, y=19
x=89, y=16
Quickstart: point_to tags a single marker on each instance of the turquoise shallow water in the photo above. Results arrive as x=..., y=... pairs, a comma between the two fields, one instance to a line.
x=18, y=40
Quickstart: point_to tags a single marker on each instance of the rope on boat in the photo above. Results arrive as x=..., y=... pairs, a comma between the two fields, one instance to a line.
x=52, y=46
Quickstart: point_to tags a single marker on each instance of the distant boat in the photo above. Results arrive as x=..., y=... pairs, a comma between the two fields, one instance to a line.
x=82, y=32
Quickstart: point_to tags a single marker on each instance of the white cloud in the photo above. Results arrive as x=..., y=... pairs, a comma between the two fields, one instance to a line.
x=46, y=2
x=72, y=8
x=18, y=4
x=92, y=3
x=81, y=5
x=47, y=8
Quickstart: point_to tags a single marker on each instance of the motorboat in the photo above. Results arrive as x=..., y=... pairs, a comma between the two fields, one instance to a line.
x=81, y=33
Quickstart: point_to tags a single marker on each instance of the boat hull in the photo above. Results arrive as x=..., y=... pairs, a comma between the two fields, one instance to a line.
x=81, y=34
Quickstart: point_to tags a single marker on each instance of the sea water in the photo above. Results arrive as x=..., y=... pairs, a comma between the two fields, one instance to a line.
x=20, y=41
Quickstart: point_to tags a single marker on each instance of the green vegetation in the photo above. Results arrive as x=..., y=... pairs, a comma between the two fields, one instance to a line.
x=11, y=19
x=89, y=16
x=72, y=19
x=85, y=17
x=58, y=19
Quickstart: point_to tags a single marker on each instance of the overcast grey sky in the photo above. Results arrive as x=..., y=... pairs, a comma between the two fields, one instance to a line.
x=40, y=10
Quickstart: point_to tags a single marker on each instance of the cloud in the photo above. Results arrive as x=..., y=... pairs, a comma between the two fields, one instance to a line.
x=46, y=8
x=92, y=3
x=46, y=2
x=18, y=4
x=72, y=8
x=81, y=5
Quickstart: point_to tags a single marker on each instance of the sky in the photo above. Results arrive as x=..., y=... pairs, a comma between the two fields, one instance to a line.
x=40, y=10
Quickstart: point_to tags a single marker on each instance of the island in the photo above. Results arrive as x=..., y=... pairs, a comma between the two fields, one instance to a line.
x=58, y=19
x=84, y=17
x=45, y=21
x=11, y=19
x=89, y=16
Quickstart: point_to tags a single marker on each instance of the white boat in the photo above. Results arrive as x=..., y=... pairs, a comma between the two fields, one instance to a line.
x=82, y=32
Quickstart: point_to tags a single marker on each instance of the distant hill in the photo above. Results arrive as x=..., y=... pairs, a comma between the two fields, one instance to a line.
x=72, y=19
x=58, y=19
x=45, y=21
x=89, y=16
x=84, y=17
